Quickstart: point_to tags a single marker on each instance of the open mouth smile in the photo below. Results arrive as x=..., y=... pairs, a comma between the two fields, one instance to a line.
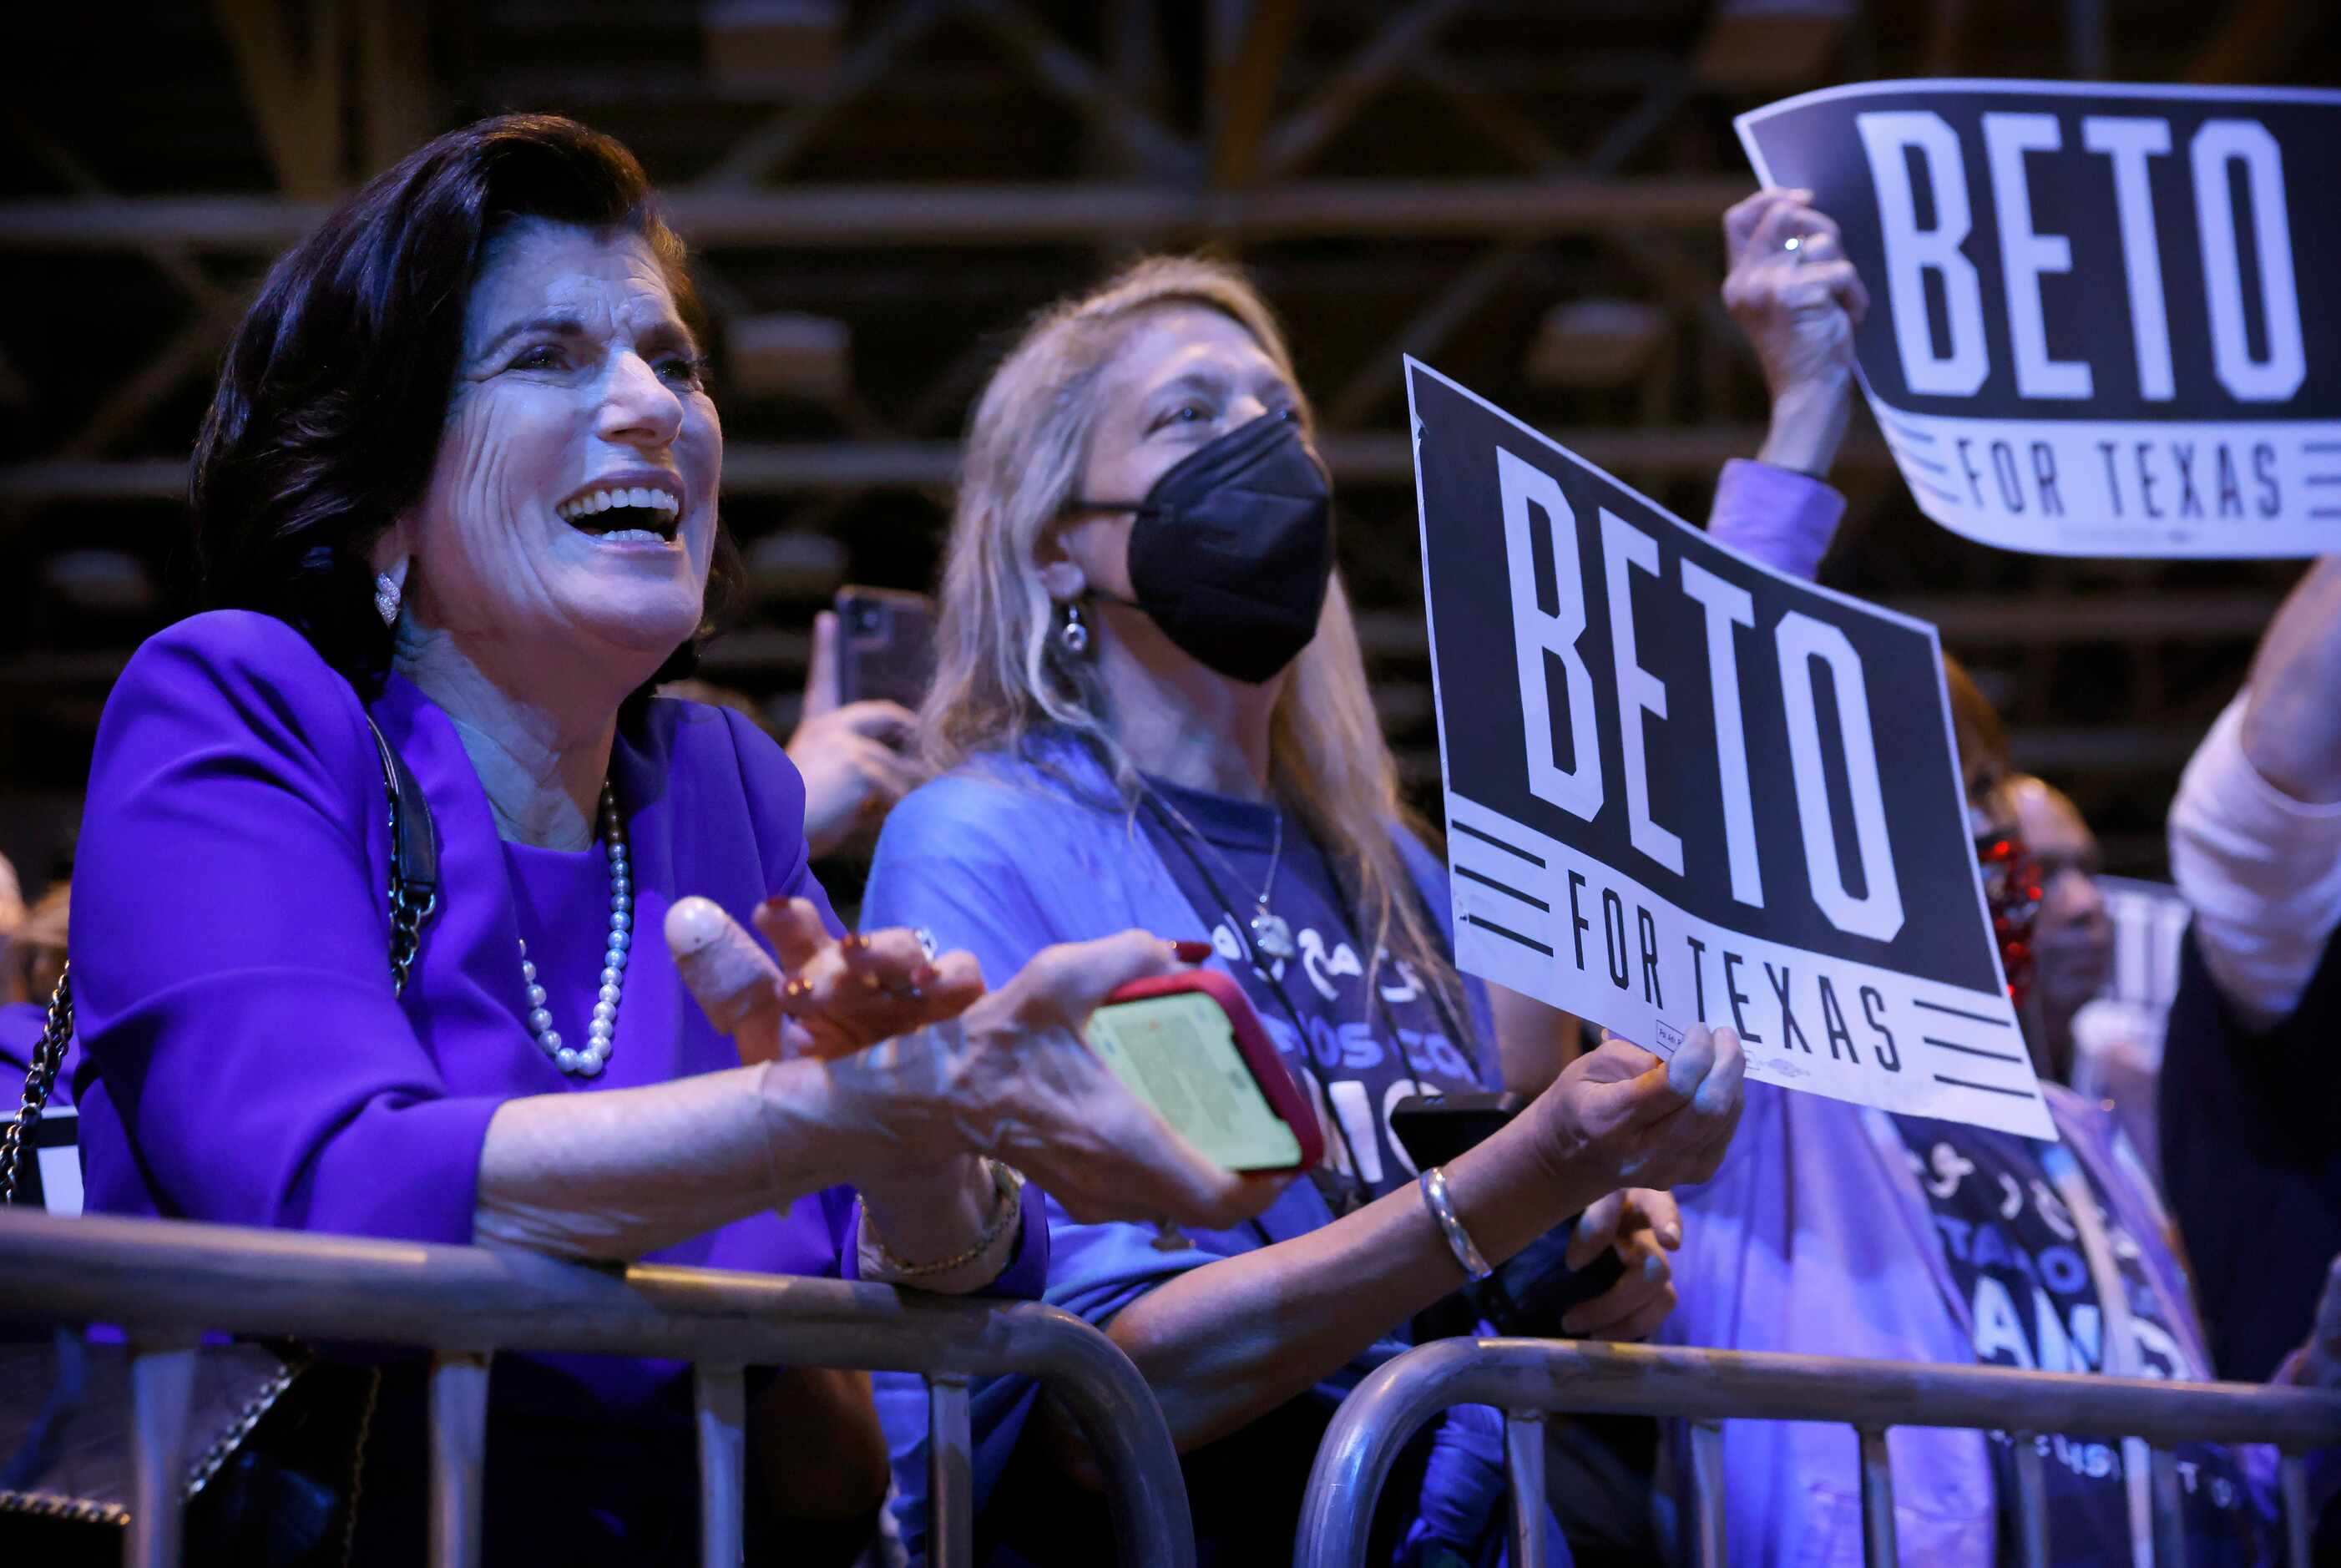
x=625, y=509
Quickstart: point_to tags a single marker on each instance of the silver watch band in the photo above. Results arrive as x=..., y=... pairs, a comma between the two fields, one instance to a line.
x=1458, y=1239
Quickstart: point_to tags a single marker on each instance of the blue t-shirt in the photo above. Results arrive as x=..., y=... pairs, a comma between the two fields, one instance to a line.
x=1360, y=1029
x=2016, y=1258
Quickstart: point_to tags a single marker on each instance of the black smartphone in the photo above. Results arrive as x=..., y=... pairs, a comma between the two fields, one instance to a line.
x=1527, y=1294
x=885, y=645
x=1435, y=1128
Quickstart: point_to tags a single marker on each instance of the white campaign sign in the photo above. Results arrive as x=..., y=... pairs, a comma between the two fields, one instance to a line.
x=1682, y=787
x=2099, y=326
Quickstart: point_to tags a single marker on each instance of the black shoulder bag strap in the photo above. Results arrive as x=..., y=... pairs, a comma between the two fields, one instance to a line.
x=413, y=897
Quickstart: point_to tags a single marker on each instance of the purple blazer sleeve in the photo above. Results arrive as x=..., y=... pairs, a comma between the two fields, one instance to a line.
x=1783, y=518
x=230, y=942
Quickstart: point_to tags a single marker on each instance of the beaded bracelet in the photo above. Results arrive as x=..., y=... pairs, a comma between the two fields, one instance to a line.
x=1007, y=1183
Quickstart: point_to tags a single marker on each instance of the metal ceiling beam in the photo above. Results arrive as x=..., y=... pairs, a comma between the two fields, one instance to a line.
x=1463, y=297
x=775, y=468
x=968, y=214
x=1502, y=125
x=397, y=104
x=1252, y=39
x=296, y=96
x=1427, y=331
x=769, y=149
x=195, y=349
x=1073, y=77
x=2251, y=39
x=169, y=258
x=1301, y=135
x=973, y=84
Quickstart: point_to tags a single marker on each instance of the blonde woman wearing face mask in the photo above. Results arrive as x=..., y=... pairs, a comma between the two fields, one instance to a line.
x=1151, y=708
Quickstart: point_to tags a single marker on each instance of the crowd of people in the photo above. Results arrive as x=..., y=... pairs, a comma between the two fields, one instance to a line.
x=456, y=507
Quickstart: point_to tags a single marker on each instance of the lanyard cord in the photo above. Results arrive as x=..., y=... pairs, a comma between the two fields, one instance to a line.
x=1299, y=1026
x=1454, y=1027
x=1374, y=1001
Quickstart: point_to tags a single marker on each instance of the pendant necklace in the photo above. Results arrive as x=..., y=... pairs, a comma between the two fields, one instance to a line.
x=1272, y=934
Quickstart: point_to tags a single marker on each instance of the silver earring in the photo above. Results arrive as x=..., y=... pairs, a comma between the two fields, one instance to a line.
x=1074, y=634
x=387, y=591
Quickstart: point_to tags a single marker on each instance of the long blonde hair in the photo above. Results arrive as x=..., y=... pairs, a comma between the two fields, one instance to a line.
x=1002, y=676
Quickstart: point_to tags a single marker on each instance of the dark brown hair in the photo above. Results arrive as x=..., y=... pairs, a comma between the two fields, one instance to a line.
x=331, y=404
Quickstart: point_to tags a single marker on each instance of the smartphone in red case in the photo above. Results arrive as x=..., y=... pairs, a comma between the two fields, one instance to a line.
x=1191, y=1045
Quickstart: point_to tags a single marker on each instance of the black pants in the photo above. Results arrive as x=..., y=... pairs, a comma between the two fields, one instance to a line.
x=564, y=1487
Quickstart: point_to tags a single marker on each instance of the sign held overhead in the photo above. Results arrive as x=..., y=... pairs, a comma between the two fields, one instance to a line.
x=2105, y=329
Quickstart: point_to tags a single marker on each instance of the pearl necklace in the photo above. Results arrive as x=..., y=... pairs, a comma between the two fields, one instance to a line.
x=601, y=1032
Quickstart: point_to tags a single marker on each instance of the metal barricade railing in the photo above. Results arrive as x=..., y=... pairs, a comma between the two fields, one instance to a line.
x=1530, y=1379
x=166, y=1282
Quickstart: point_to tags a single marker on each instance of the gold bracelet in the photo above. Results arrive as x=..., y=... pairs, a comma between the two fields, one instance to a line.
x=1007, y=1185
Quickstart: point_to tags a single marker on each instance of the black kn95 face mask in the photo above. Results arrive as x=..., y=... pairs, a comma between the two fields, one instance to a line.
x=1234, y=548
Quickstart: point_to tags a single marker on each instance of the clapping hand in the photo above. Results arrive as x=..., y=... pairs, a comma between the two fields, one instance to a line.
x=827, y=996
x=1014, y=1078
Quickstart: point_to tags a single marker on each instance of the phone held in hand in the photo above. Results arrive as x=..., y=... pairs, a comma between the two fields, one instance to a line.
x=885, y=645
x=1435, y=1128
x=1528, y=1293
x=1190, y=1046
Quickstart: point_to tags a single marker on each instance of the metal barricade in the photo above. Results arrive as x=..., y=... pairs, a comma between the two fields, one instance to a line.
x=166, y=1282
x=1530, y=1379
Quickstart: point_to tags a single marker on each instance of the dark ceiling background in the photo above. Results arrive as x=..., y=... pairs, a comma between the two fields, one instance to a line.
x=1524, y=191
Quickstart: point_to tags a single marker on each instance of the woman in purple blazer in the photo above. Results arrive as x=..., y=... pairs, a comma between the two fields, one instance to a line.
x=459, y=482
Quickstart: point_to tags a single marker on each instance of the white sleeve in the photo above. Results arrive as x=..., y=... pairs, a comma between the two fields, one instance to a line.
x=2261, y=871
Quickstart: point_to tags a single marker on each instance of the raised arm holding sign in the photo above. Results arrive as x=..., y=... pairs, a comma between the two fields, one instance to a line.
x=2102, y=331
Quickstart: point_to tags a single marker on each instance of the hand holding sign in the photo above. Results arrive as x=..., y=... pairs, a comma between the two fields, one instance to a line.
x=1792, y=290
x=1798, y=300
x=1646, y=1121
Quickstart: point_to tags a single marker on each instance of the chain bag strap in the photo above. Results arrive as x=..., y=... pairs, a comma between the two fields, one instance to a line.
x=42, y=1077
x=414, y=859
x=414, y=894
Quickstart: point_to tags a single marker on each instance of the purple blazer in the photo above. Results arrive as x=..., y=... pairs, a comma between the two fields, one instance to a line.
x=245, y=1060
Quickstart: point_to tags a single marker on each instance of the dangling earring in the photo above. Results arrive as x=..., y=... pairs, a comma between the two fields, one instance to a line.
x=1074, y=633
x=388, y=587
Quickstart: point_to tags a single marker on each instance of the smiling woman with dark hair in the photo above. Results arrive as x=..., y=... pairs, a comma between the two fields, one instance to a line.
x=456, y=505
